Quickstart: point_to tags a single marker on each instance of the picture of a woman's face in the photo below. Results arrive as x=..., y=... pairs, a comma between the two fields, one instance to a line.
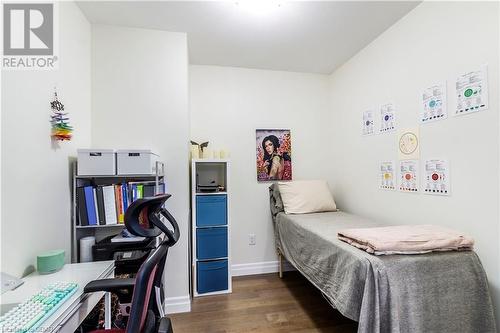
x=273, y=154
x=269, y=147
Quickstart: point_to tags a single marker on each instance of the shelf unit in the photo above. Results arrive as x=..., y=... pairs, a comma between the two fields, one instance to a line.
x=215, y=269
x=103, y=231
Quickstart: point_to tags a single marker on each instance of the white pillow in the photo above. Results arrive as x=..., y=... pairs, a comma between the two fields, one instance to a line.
x=306, y=196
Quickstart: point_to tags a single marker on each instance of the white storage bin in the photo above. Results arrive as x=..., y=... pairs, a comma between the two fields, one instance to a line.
x=96, y=162
x=136, y=162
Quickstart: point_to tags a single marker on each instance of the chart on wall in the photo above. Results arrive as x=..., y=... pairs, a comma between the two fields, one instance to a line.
x=387, y=118
x=408, y=176
x=437, y=177
x=368, y=123
x=472, y=92
x=433, y=104
x=409, y=144
x=387, y=176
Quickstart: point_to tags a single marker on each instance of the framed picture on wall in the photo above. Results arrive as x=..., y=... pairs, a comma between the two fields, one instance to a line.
x=274, y=154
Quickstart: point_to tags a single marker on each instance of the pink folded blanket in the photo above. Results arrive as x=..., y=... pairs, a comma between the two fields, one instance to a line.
x=406, y=239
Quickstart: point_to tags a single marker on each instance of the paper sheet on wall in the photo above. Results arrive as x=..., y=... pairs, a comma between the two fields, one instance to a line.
x=368, y=124
x=409, y=144
x=387, y=176
x=472, y=92
x=433, y=104
x=437, y=177
x=408, y=176
x=387, y=118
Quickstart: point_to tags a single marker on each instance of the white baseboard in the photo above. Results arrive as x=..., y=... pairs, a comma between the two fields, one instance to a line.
x=259, y=268
x=177, y=304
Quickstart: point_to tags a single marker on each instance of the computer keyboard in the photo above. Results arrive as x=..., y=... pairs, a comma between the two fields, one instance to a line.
x=28, y=316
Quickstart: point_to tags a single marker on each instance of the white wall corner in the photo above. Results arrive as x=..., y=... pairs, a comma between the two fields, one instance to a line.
x=177, y=304
x=259, y=268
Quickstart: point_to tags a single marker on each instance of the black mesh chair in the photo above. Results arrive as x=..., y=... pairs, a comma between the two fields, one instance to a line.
x=143, y=218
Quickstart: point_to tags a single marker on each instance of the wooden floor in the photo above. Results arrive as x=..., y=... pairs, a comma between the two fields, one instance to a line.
x=264, y=303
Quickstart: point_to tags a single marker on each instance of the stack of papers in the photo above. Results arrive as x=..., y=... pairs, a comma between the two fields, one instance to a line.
x=126, y=238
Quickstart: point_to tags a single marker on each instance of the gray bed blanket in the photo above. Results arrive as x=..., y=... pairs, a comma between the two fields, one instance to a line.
x=437, y=292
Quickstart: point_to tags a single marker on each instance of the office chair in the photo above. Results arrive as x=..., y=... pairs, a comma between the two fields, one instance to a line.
x=142, y=218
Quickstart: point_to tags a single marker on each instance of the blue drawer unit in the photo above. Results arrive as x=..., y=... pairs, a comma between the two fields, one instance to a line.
x=212, y=276
x=211, y=243
x=211, y=210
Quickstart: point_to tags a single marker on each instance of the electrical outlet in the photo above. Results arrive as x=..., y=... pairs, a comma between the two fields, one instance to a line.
x=252, y=240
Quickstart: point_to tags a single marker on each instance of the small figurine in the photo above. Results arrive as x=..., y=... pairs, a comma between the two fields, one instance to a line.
x=200, y=146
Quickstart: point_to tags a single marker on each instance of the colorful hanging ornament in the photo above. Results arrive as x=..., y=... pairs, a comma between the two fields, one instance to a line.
x=61, y=129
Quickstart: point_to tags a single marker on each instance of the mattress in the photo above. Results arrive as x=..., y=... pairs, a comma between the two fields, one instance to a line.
x=435, y=292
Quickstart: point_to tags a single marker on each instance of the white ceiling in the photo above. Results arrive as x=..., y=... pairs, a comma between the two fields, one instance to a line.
x=300, y=36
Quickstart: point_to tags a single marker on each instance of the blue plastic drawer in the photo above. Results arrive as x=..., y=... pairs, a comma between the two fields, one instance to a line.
x=211, y=243
x=212, y=276
x=211, y=210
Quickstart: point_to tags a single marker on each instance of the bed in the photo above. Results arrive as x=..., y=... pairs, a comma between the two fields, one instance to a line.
x=435, y=292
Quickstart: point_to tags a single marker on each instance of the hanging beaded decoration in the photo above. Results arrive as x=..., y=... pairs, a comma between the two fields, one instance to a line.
x=61, y=129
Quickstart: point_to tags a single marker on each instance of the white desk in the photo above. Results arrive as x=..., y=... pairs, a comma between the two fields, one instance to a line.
x=72, y=312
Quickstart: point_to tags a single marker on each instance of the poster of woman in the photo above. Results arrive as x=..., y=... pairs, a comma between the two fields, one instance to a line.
x=274, y=154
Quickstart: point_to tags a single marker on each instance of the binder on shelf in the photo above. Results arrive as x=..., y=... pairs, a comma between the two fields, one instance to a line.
x=119, y=204
x=137, y=189
x=95, y=205
x=90, y=205
x=125, y=196
x=100, y=206
x=100, y=200
x=133, y=188
x=81, y=207
x=148, y=190
x=109, y=202
x=106, y=204
x=122, y=206
x=140, y=191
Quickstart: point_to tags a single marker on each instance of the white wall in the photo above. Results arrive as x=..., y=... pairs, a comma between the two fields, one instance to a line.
x=227, y=105
x=434, y=42
x=36, y=179
x=140, y=100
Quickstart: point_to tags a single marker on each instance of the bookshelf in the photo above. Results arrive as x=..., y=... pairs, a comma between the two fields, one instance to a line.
x=101, y=231
x=210, y=228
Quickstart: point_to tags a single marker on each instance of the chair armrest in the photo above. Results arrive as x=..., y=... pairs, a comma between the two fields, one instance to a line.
x=111, y=285
x=165, y=326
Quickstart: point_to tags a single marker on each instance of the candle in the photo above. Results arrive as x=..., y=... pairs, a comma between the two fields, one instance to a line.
x=207, y=153
x=195, y=152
